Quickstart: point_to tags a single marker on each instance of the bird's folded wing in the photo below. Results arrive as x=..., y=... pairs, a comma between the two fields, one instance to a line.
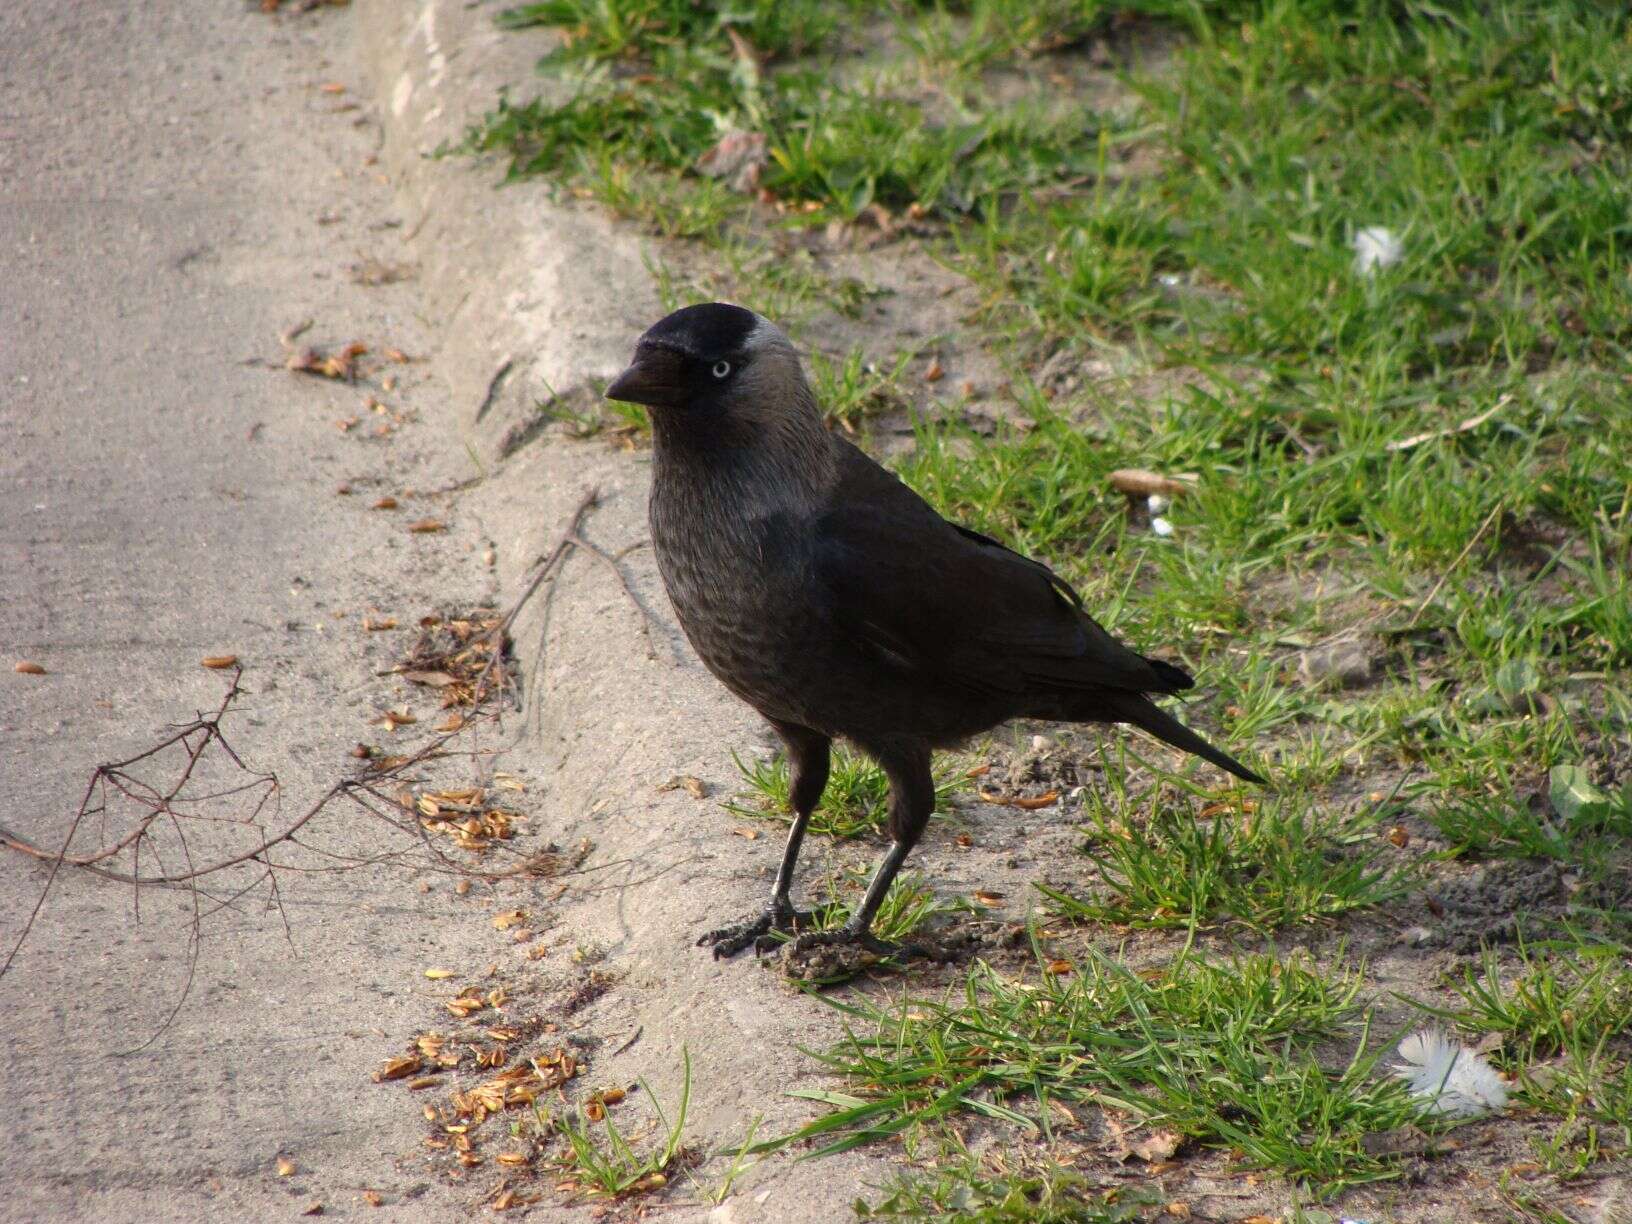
x=954, y=607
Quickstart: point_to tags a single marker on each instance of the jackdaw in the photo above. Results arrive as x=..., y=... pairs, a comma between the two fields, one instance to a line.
x=834, y=600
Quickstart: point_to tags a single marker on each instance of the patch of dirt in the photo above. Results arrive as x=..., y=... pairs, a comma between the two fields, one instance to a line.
x=1490, y=903
x=1045, y=765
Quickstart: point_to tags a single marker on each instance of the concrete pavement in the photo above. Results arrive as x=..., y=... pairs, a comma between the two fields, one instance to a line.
x=177, y=186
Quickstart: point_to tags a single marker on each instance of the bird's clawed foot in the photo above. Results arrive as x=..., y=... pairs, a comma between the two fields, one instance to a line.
x=820, y=954
x=761, y=932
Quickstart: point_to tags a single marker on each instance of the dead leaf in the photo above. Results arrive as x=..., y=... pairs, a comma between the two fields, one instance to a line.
x=372, y=1198
x=737, y=157
x=508, y=919
x=1179, y=1209
x=1058, y=967
x=1472, y=422
x=1156, y=1147
x=1137, y=482
x=374, y=625
x=219, y=662
x=695, y=787
x=437, y=975
x=747, y=833
x=286, y=1167
x=313, y=1209
x=433, y=679
x=25, y=668
x=986, y=897
x=1029, y=803
x=1037, y=801
x=427, y=526
x=936, y=371
x=1399, y=836
x=453, y=722
x=385, y=503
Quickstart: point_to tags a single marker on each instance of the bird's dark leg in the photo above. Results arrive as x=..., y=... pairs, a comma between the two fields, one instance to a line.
x=912, y=799
x=809, y=754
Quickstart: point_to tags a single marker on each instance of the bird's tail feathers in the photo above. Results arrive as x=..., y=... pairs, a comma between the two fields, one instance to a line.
x=1143, y=713
x=1173, y=678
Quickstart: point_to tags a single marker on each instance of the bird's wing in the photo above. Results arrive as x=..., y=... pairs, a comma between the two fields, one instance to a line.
x=953, y=606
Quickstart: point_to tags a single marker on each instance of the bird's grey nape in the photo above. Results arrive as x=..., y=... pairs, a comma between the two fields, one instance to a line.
x=767, y=335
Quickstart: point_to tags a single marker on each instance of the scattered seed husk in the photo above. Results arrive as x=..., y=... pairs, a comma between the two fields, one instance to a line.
x=398, y=1068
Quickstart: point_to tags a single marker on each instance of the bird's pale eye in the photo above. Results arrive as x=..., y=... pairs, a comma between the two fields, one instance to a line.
x=722, y=369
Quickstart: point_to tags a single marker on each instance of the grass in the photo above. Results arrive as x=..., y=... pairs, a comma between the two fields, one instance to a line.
x=1555, y=1002
x=998, y=1190
x=607, y=1164
x=908, y=907
x=1430, y=459
x=1277, y=865
x=855, y=803
x=1223, y=1054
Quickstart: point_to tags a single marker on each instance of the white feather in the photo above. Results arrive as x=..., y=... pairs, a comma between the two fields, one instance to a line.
x=1451, y=1078
x=1376, y=247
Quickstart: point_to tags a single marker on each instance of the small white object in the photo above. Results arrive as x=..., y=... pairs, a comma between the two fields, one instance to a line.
x=1041, y=743
x=1161, y=526
x=1158, y=503
x=1452, y=1078
x=1375, y=247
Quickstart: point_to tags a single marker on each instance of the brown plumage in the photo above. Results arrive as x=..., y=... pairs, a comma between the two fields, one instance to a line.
x=835, y=601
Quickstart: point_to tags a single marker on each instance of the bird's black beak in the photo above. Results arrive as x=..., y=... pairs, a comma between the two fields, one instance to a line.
x=653, y=379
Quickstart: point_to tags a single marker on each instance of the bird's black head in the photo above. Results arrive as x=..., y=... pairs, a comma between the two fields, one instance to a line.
x=694, y=357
